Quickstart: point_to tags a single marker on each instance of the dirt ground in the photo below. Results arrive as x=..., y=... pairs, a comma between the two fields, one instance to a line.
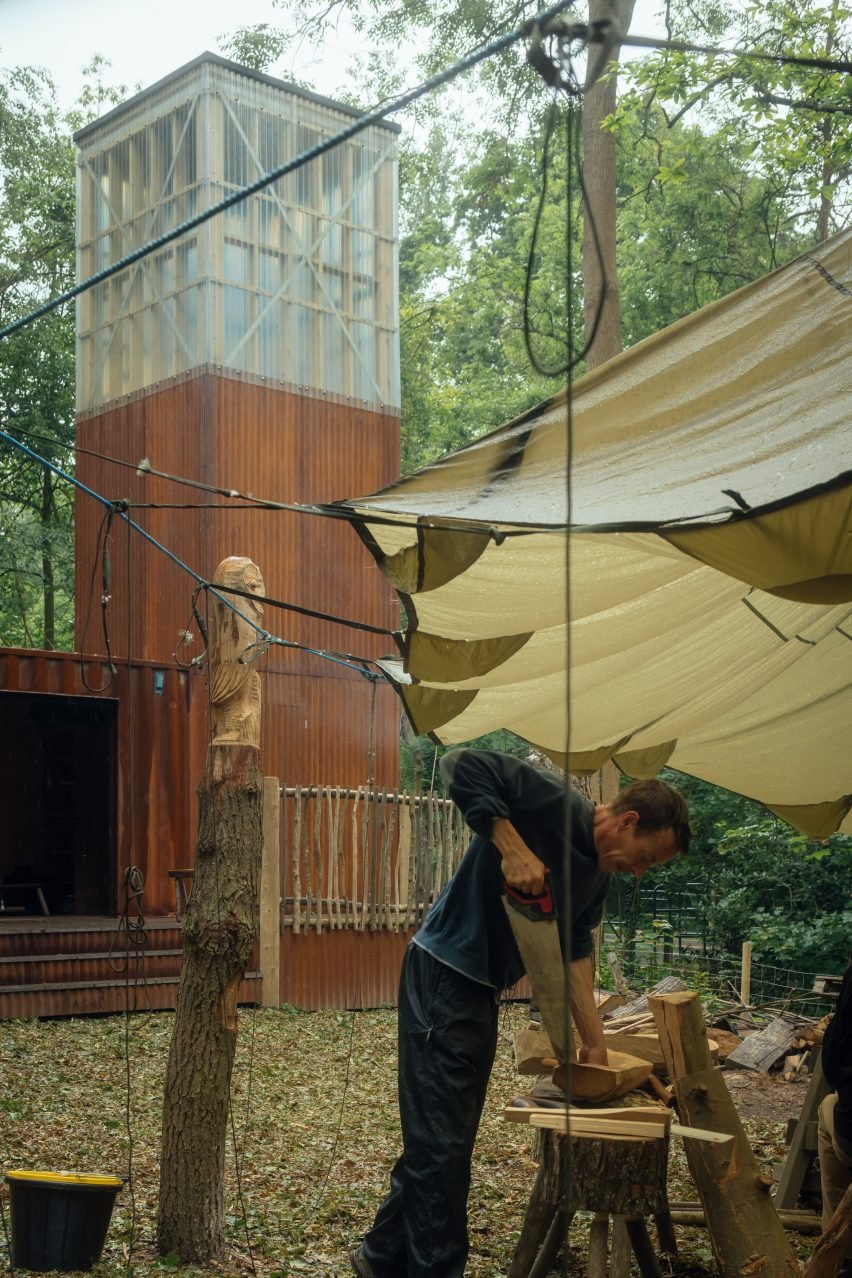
x=765, y=1097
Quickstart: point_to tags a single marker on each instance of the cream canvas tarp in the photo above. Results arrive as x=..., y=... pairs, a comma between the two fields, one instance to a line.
x=697, y=582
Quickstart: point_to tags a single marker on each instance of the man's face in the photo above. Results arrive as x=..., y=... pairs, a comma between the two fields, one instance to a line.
x=621, y=847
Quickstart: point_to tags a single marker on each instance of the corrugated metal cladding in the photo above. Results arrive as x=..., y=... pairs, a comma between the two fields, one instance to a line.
x=317, y=714
x=341, y=969
x=297, y=283
x=155, y=784
x=112, y=996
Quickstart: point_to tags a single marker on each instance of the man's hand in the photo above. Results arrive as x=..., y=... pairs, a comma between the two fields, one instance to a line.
x=521, y=867
x=593, y=1055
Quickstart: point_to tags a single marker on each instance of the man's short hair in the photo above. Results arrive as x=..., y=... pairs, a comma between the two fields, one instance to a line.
x=660, y=807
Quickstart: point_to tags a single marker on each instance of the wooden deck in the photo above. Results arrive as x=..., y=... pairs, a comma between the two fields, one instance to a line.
x=61, y=965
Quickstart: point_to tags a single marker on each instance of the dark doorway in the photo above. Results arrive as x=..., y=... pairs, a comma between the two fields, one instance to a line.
x=57, y=804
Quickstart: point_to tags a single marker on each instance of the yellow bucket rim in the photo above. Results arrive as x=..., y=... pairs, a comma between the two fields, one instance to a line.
x=66, y=1178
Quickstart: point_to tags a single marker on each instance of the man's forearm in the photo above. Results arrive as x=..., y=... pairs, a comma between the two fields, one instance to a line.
x=585, y=1012
x=521, y=867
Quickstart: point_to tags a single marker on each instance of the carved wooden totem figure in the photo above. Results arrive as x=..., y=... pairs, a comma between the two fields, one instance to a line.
x=234, y=684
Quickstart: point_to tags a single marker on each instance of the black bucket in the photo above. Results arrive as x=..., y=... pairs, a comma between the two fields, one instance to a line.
x=59, y=1219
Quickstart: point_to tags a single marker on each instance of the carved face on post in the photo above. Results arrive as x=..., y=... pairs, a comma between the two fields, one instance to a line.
x=234, y=684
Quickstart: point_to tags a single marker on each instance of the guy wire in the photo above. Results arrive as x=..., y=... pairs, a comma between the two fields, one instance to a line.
x=570, y=364
x=131, y=870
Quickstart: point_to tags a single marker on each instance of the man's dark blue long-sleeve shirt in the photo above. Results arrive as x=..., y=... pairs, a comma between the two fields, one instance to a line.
x=467, y=927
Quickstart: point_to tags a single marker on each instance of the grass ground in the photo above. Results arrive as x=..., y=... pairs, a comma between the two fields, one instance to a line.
x=316, y=1130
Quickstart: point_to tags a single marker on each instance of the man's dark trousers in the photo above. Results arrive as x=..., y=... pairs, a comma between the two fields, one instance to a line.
x=447, y=1041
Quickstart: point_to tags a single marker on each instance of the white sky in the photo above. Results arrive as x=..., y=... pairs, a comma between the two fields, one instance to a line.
x=144, y=39
x=147, y=39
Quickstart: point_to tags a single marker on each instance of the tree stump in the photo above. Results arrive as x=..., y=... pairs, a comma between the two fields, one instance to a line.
x=220, y=925
x=219, y=928
x=608, y=1176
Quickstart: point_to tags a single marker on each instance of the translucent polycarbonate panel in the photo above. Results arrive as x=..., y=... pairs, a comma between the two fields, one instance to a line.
x=296, y=283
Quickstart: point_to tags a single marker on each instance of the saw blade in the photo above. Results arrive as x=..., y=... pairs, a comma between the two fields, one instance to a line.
x=538, y=942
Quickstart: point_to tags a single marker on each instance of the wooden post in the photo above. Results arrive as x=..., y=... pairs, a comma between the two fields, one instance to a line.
x=219, y=930
x=745, y=974
x=270, y=894
x=799, y=1158
x=745, y=1232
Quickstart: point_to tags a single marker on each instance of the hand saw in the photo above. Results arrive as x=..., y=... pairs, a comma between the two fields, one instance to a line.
x=533, y=923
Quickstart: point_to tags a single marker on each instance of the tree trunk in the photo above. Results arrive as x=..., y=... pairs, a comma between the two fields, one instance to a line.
x=745, y=1233
x=219, y=927
x=599, y=149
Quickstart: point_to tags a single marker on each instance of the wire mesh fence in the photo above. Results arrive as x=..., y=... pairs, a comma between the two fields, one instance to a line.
x=651, y=953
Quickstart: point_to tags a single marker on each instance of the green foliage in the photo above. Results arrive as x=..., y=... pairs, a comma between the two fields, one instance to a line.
x=822, y=943
x=255, y=47
x=420, y=756
x=37, y=363
x=37, y=247
x=795, y=121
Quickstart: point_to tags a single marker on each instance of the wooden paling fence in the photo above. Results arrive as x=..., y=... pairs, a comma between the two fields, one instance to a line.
x=367, y=860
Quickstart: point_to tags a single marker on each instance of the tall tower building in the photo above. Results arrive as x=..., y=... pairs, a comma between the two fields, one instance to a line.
x=259, y=352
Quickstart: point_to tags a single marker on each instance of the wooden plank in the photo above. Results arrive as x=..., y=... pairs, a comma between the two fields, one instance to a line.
x=798, y=1160
x=762, y=1049
x=553, y=1120
x=645, y=1046
x=269, y=943
x=639, y=1006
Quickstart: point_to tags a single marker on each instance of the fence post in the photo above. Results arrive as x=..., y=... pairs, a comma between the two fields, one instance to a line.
x=745, y=974
x=269, y=942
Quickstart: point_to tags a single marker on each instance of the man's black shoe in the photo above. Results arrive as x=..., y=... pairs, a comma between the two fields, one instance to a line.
x=360, y=1264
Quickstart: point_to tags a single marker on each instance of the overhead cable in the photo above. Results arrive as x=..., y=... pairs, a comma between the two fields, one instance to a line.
x=548, y=22
x=472, y=59
x=265, y=638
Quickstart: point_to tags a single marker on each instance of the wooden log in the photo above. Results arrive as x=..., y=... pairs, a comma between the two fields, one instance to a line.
x=533, y=1049
x=598, y=1230
x=554, y=1241
x=639, y=1006
x=745, y=975
x=270, y=895
x=644, y=1046
x=620, y=1248
x=624, y=1178
x=603, y=1082
x=538, y=1220
x=680, y=1028
x=219, y=929
x=665, y=1232
x=835, y=1244
x=745, y=1232
x=802, y=1222
x=295, y=854
x=637, y=1232
x=321, y=881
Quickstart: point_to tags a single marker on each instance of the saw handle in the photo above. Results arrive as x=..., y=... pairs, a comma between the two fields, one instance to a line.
x=534, y=905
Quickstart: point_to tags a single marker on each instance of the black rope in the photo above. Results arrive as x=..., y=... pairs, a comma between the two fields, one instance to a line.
x=472, y=59
x=306, y=612
x=102, y=554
